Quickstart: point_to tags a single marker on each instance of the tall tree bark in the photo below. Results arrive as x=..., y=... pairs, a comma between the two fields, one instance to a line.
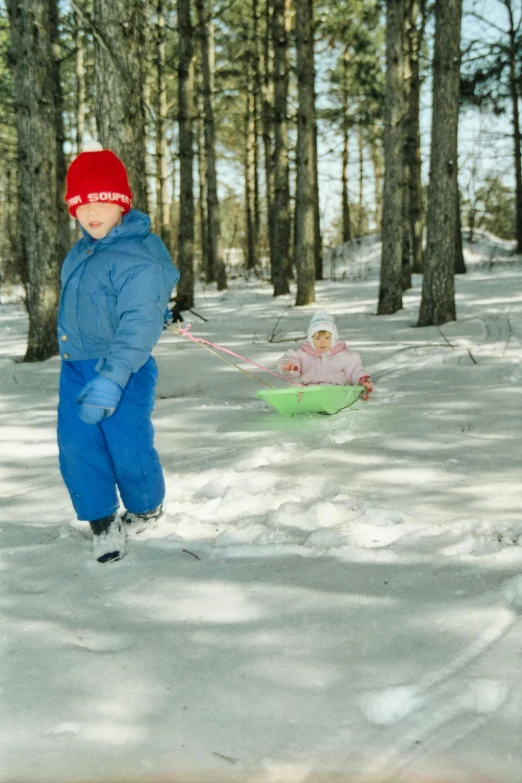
x=406, y=236
x=216, y=262
x=281, y=204
x=438, y=289
x=119, y=75
x=460, y=264
x=345, y=201
x=250, y=175
x=415, y=217
x=256, y=48
x=390, y=291
x=202, y=181
x=37, y=98
x=162, y=199
x=514, y=89
x=266, y=123
x=305, y=201
x=186, y=151
x=360, y=140
x=406, y=175
x=318, y=241
x=174, y=204
x=12, y=266
x=80, y=81
x=378, y=177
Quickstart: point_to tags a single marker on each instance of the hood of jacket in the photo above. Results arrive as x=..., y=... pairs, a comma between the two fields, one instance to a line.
x=338, y=347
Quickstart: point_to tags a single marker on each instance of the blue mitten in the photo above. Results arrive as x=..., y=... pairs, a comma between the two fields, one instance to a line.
x=98, y=400
x=167, y=318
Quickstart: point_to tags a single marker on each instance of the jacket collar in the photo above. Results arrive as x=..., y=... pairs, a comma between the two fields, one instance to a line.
x=338, y=347
x=134, y=225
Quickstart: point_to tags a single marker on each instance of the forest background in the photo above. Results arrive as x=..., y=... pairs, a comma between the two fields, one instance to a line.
x=257, y=133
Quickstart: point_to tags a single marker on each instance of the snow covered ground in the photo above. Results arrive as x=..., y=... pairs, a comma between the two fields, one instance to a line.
x=331, y=598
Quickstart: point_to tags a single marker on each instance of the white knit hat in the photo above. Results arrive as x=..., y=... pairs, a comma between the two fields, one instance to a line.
x=322, y=321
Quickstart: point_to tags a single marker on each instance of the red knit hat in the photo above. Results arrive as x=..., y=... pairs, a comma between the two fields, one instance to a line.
x=97, y=175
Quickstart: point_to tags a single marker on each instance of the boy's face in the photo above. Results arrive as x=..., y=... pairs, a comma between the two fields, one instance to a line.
x=322, y=341
x=99, y=218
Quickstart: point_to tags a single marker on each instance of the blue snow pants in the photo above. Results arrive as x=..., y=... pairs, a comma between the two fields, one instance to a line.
x=118, y=453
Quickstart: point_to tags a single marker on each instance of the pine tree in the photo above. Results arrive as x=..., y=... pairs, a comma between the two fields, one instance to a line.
x=438, y=289
x=43, y=217
x=494, y=82
x=281, y=203
x=305, y=218
x=216, y=263
x=390, y=291
x=119, y=34
x=186, y=151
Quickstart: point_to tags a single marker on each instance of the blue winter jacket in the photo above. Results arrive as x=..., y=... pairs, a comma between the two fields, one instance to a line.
x=114, y=294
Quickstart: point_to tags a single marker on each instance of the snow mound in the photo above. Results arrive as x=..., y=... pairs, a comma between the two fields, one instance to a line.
x=388, y=706
x=482, y=538
x=512, y=590
x=484, y=696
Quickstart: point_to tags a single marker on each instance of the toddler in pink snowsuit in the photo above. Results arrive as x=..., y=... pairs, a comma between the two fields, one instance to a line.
x=323, y=359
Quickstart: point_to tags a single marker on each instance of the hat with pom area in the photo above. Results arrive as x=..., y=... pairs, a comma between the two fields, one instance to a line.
x=97, y=175
x=321, y=321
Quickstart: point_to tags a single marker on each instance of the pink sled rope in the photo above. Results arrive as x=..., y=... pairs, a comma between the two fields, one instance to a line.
x=185, y=332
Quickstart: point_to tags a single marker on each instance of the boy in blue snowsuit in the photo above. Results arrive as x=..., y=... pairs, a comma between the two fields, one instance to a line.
x=116, y=284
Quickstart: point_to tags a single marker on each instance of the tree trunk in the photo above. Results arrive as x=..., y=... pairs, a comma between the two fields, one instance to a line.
x=415, y=34
x=203, y=196
x=34, y=41
x=162, y=199
x=345, y=200
x=186, y=152
x=119, y=73
x=80, y=96
x=256, y=48
x=150, y=143
x=80, y=81
x=250, y=176
x=377, y=170
x=390, y=292
x=266, y=121
x=305, y=202
x=438, y=289
x=406, y=174
x=281, y=205
x=318, y=240
x=12, y=264
x=64, y=223
x=513, y=87
x=406, y=235
x=361, y=182
x=174, y=204
x=460, y=264
x=216, y=262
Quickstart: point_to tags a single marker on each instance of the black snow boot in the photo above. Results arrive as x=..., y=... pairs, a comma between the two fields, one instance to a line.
x=136, y=524
x=108, y=538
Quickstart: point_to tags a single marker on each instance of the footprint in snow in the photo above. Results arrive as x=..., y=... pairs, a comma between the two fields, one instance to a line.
x=98, y=642
x=64, y=729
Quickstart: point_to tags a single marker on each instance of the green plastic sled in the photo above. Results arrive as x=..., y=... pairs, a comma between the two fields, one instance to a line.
x=322, y=398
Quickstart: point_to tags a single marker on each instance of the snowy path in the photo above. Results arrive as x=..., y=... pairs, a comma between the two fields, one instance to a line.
x=332, y=598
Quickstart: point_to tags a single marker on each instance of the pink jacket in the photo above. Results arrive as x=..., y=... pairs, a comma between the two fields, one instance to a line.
x=339, y=366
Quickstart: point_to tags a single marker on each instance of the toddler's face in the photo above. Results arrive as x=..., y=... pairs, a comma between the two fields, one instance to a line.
x=322, y=341
x=99, y=218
